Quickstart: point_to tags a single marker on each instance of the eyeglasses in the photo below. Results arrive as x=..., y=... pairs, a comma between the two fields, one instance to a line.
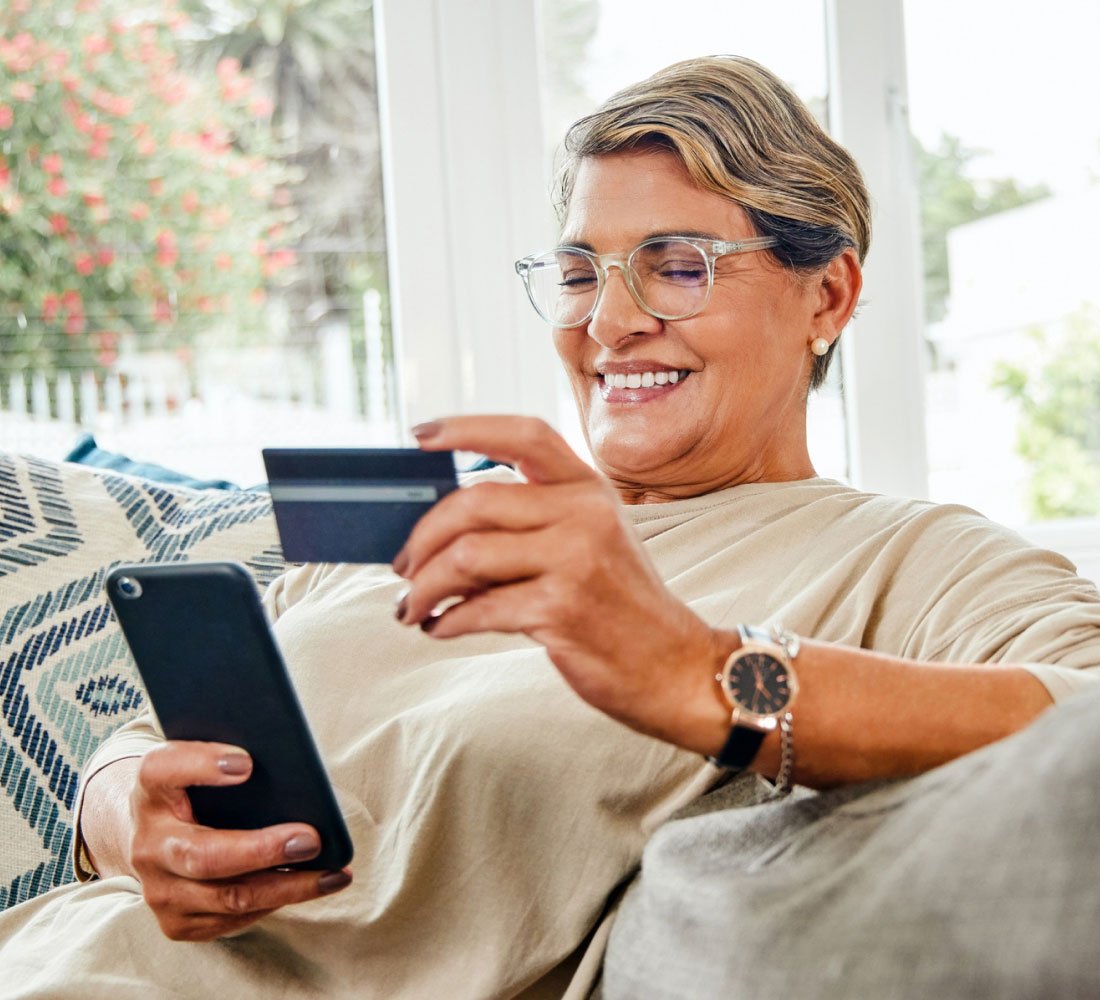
x=670, y=277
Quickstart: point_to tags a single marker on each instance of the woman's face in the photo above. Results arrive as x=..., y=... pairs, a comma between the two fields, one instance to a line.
x=737, y=411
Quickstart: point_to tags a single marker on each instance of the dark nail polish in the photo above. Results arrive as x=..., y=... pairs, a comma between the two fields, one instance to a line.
x=301, y=847
x=429, y=429
x=402, y=607
x=429, y=623
x=333, y=881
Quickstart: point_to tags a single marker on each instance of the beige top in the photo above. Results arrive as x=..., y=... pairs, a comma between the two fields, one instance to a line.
x=492, y=811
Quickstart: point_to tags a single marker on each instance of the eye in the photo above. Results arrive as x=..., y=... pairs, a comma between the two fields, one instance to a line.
x=578, y=278
x=683, y=272
x=673, y=262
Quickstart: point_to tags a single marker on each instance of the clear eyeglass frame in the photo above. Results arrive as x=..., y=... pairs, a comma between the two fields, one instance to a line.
x=710, y=251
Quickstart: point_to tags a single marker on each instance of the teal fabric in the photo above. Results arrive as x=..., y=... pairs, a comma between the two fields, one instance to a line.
x=87, y=452
x=66, y=677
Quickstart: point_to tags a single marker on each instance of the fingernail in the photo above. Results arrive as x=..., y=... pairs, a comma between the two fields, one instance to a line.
x=428, y=429
x=234, y=763
x=333, y=881
x=401, y=563
x=402, y=607
x=301, y=847
x=429, y=623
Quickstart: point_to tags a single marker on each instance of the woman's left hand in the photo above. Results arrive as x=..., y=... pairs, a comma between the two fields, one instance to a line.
x=555, y=559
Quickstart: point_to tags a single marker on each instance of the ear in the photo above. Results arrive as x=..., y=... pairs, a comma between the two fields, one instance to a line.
x=838, y=288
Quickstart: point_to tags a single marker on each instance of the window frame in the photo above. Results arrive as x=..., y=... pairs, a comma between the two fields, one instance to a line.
x=470, y=178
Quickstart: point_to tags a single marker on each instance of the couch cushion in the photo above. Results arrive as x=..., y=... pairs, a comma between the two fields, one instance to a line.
x=66, y=678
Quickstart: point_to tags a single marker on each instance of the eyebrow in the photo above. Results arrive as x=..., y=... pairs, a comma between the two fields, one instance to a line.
x=694, y=234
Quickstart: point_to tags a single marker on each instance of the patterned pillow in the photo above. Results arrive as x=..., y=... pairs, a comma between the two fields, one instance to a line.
x=66, y=678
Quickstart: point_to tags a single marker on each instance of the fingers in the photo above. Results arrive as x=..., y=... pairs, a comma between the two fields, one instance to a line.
x=530, y=444
x=201, y=853
x=200, y=882
x=511, y=507
x=178, y=764
x=203, y=911
x=472, y=563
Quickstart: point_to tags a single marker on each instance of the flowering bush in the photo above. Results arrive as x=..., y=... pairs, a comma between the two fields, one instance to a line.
x=135, y=201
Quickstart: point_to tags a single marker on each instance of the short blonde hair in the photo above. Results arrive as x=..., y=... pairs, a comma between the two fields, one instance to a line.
x=744, y=134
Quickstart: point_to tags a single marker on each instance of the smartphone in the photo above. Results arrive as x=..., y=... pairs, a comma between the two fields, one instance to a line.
x=213, y=671
x=353, y=505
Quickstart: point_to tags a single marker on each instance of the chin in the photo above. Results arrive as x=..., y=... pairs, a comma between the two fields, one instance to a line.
x=619, y=454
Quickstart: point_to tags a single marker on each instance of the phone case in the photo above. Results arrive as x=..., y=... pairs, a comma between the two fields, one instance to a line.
x=213, y=671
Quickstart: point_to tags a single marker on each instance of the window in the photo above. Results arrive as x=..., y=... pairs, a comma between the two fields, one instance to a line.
x=190, y=210
x=1010, y=188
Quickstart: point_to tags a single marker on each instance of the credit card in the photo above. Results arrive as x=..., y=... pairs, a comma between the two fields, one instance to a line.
x=354, y=505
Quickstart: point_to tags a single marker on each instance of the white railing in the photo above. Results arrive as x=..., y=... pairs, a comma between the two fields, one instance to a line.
x=209, y=421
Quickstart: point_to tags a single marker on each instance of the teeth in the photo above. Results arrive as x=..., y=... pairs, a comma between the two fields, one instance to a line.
x=642, y=380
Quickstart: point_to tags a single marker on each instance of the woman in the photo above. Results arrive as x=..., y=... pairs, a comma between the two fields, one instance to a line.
x=711, y=249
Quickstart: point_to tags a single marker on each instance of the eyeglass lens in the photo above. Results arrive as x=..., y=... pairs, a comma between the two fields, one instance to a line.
x=670, y=277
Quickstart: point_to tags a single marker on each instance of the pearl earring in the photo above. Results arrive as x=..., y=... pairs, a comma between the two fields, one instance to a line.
x=820, y=346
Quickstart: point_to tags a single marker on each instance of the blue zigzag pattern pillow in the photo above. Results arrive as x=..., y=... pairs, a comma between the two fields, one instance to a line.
x=66, y=677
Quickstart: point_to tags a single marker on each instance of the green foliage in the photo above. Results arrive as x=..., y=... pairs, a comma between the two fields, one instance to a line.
x=315, y=60
x=1059, y=403
x=136, y=201
x=949, y=198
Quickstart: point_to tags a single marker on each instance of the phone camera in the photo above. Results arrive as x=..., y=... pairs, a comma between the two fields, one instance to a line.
x=129, y=588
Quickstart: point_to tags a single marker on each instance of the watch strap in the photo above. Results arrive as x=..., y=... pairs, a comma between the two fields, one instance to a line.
x=740, y=749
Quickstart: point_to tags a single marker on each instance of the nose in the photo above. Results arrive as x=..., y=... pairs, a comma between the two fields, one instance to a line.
x=618, y=315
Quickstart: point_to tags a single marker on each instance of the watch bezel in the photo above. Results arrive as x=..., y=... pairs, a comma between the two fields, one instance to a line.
x=741, y=714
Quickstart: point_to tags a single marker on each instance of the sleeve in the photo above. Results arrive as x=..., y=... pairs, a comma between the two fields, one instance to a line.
x=135, y=739
x=989, y=596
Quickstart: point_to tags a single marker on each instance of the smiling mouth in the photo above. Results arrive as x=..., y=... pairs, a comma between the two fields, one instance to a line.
x=642, y=380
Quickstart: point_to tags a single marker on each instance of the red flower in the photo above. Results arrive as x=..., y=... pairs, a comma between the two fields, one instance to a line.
x=227, y=69
x=156, y=186
x=57, y=187
x=167, y=248
x=7, y=116
x=75, y=324
x=51, y=163
x=105, y=256
x=51, y=305
x=162, y=311
x=189, y=202
x=96, y=45
x=84, y=264
x=223, y=262
x=72, y=301
x=139, y=211
x=5, y=173
x=59, y=224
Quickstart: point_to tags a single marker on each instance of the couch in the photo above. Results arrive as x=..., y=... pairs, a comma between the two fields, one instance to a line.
x=66, y=677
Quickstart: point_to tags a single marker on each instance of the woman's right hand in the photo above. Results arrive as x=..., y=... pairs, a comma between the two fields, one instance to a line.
x=201, y=883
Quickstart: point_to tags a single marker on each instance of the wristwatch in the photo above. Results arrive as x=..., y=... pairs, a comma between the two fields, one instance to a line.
x=759, y=683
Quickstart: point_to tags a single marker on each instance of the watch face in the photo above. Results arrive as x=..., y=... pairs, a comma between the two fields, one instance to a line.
x=759, y=683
